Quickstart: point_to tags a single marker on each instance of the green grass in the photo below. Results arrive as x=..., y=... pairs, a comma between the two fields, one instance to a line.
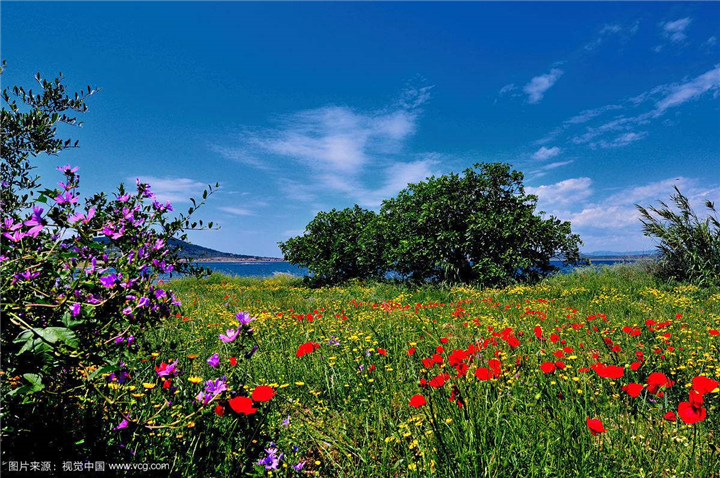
x=346, y=420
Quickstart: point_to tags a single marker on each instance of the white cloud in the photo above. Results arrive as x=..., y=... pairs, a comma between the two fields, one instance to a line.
x=537, y=86
x=587, y=115
x=175, y=190
x=339, y=145
x=556, y=165
x=659, y=99
x=710, y=42
x=689, y=90
x=618, y=211
x=565, y=192
x=237, y=211
x=240, y=155
x=620, y=141
x=544, y=153
x=675, y=30
x=507, y=88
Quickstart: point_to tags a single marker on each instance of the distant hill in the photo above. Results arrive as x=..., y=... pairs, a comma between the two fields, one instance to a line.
x=205, y=254
x=200, y=253
x=650, y=252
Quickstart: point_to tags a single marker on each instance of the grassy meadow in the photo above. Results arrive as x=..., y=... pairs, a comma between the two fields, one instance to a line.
x=479, y=359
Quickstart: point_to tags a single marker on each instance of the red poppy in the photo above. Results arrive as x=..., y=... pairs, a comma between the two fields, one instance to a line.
x=714, y=332
x=554, y=338
x=547, y=367
x=692, y=411
x=242, y=405
x=656, y=381
x=263, y=393
x=417, y=401
x=483, y=373
x=595, y=426
x=633, y=389
x=233, y=361
x=494, y=365
x=382, y=352
x=538, y=331
x=635, y=365
x=167, y=383
x=439, y=380
x=219, y=410
x=306, y=348
x=670, y=416
x=608, y=371
x=703, y=385
x=411, y=351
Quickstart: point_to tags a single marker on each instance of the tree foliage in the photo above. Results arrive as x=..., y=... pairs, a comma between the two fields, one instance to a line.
x=478, y=227
x=338, y=246
x=689, y=246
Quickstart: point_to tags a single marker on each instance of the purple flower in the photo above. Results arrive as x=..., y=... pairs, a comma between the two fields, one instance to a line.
x=299, y=466
x=286, y=422
x=160, y=293
x=216, y=387
x=203, y=397
x=66, y=198
x=35, y=222
x=124, y=197
x=66, y=169
x=165, y=370
x=15, y=236
x=244, y=318
x=272, y=460
x=122, y=425
x=229, y=335
x=27, y=275
x=75, y=309
x=214, y=360
x=143, y=302
x=108, y=280
x=251, y=352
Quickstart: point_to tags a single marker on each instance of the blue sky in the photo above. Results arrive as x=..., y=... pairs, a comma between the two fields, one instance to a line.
x=301, y=107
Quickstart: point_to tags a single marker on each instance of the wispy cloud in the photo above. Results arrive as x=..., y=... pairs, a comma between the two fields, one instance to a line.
x=338, y=145
x=689, y=90
x=175, y=190
x=507, y=89
x=587, y=115
x=237, y=211
x=544, y=153
x=620, y=141
x=608, y=30
x=622, y=130
x=675, y=30
x=537, y=86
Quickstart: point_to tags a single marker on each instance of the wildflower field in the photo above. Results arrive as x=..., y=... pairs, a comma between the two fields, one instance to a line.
x=596, y=373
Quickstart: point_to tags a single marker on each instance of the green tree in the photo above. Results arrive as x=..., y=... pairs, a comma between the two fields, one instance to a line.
x=338, y=246
x=477, y=227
